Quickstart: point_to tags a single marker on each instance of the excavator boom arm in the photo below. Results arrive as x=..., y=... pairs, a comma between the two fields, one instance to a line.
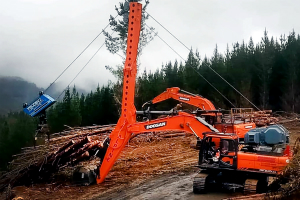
x=195, y=100
x=181, y=122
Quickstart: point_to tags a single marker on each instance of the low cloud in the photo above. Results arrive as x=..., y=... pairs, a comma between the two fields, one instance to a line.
x=39, y=39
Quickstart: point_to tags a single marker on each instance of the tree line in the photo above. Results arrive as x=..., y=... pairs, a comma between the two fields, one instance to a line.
x=267, y=73
x=16, y=131
x=97, y=107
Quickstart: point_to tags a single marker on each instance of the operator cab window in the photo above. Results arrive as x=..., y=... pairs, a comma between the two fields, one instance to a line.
x=227, y=146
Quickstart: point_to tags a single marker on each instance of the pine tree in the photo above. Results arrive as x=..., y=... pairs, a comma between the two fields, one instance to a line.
x=278, y=80
x=118, y=43
x=4, y=144
x=66, y=107
x=191, y=78
x=75, y=117
x=81, y=106
x=266, y=62
x=292, y=68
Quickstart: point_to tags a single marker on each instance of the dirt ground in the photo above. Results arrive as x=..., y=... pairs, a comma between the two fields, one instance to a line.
x=169, y=186
x=157, y=169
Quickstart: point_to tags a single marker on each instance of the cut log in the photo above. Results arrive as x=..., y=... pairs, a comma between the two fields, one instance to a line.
x=65, y=146
x=86, y=147
x=81, y=157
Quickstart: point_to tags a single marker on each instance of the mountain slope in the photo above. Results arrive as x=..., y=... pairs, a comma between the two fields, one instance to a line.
x=14, y=91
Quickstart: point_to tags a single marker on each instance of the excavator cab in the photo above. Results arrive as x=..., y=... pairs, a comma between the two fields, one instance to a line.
x=218, y=151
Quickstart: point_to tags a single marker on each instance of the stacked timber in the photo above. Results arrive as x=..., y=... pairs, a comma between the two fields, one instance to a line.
x=38, y=163
x=63, y=150
x=264, y=118
x=260, y=118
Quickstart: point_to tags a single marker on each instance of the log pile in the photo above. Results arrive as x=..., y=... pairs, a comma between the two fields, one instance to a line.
x=38, y=163
x=260, y=118
x=65, y=149
x=264, y=118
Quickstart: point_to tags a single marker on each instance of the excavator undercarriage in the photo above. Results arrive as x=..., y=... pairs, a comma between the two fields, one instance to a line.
x=234, y=181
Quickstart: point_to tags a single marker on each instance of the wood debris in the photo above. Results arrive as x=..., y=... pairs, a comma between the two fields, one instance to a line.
x=38, y=163
x=64, y=149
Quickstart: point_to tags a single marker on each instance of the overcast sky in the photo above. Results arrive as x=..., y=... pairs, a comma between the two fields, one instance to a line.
x=40, y=38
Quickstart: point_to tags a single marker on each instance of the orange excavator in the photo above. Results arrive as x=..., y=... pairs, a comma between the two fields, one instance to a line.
x=264, y=154
x=206, y=110
x=224, y=165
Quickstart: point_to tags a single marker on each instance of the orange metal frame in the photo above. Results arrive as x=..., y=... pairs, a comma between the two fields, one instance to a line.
x=120, y=135
x=127, y=125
